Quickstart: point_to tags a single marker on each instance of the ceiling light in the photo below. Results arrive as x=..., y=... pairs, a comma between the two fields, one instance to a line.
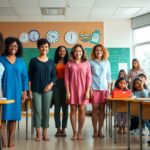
x=53, y=11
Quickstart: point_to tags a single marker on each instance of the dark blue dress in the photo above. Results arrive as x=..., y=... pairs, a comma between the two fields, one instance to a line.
x=15, y=80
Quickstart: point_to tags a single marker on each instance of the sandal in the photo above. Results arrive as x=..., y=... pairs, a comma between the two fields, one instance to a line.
x=58, y=134
x=63, y=134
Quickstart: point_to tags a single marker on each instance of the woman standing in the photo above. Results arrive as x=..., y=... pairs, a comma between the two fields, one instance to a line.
x=133, y=73
x=78, y=83
x=15, y=85
x=41, y=80
x=59, y=92
x=101, y=81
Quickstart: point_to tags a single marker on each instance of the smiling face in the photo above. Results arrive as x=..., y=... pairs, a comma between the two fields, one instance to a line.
x=138, y=85
x=44, y=49
x=13, y=48
x=78, y=53
x=98, y=52
x=62, y=52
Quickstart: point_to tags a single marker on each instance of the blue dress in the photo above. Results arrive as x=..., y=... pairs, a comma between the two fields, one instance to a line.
x=15, y=80
x=1, y=75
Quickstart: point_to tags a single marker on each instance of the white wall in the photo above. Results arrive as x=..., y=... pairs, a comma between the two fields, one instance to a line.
x=117, y=33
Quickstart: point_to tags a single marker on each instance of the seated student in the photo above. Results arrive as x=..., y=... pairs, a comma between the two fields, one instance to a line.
x=140, y=92
x=121, y=85
x=122, y=74
x=146, y=122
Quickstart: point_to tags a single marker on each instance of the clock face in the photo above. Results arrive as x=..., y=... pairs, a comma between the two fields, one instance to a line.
x=52, y=36
x=34, y=35
x=24, y=37
x=71, y=37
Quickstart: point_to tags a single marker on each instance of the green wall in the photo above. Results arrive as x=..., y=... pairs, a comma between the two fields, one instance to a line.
x=116, y=55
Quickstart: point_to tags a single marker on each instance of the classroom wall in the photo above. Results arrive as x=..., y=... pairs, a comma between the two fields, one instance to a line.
x=117, y=33
x=15, y=28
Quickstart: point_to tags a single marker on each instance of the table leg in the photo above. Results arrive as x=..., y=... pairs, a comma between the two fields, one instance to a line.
x=140, y=124
x=0, y=127
x=128, y=135
x=26, y=105
x=110, y=119
x=115, y=141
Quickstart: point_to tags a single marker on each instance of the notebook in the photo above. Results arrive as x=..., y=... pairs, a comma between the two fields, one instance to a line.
x=121, y=94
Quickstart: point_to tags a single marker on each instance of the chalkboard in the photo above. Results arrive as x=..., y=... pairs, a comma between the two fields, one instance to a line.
x=116, y=56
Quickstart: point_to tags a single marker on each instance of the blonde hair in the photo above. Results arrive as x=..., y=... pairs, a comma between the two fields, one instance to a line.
x=83, y=58
x=105, y=52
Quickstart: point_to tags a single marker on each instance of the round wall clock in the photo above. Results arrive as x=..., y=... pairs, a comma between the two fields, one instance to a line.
x=24, y=37
x=52, y=36
x=34, y=35
x=71, y=37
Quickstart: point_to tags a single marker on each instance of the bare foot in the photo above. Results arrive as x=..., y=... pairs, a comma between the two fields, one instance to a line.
x=45, y=138
x=74, y=137
x=4, y=144
x=37, y=139
x=80, y=137
x=95, y=135
x=11, y=145
x=101, y=135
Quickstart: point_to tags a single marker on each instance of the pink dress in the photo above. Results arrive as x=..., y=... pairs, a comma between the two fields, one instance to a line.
x=78, y=78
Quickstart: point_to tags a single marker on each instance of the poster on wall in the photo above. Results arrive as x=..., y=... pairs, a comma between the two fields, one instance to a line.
x=85, y=36
x=95, y=38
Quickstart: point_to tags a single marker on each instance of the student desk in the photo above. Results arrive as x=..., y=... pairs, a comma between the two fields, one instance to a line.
x=1, y=103
x=134, y=106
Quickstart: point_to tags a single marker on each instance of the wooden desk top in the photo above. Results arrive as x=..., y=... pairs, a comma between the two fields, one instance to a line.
x=132, y=99
x=6, y=101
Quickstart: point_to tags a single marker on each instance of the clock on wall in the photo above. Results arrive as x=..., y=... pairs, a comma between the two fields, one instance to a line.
x=71, y=37
x=34, y=35
x=52, y=36
x=24, y=37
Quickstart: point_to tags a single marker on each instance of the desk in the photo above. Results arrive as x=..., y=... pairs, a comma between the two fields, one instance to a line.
x=2, y=102
x=132, y=106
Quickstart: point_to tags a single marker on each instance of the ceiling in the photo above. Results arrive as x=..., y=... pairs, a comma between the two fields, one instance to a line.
x=75, y=10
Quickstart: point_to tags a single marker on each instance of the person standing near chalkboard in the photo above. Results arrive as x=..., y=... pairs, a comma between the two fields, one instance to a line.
x=41, y=80
x=77, y=83
x=59, y=93
x=101, y=84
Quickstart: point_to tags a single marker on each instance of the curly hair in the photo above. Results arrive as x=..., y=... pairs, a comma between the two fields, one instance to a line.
x=83, y=58
x=1, y=42
x=11, y=40
x=105, y=52
x=57, y=57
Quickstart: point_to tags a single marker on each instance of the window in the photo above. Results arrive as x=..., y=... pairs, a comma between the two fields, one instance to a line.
x=141, y=46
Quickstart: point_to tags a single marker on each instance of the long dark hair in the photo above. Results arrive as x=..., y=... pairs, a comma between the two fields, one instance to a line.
x=57, y=57
x=117, y=82
x=9, y=41
x=136, y=79
x=1, y=43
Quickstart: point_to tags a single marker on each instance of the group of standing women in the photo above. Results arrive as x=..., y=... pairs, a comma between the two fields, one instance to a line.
x=75, y=81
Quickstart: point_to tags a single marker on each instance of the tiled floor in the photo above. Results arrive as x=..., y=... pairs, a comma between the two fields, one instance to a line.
x=88, y=143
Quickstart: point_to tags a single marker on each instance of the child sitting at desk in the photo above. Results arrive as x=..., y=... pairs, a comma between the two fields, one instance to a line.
x=121, y=85
x=140, y=91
